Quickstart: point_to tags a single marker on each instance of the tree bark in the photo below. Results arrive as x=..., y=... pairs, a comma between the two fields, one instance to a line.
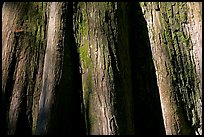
x=57, y=115
x=22, y=52
x=105, y=77
x=147, y=105
x=40, y=73
x=108, y=68
x=175, y=37
x=52, y=69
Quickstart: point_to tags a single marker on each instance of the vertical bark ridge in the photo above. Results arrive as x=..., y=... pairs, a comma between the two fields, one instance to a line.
x=53, y=64
x=97, y=38
x=147, y=106
x=174, y=45
x=26, y=36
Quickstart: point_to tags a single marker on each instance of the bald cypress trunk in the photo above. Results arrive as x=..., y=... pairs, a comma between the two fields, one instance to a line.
x=175, y=37
x=147, y=104
x=23, y=44
x=59, y=105
x=101, y=68
x=106, y=81
x=40, y=73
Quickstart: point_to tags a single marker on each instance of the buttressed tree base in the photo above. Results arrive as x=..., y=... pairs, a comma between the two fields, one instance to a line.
x=101, y=68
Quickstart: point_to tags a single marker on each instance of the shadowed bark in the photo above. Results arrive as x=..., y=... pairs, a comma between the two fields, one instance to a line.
x=59, y=106
x=105, y=80
x=148, y=114
x=101, y=68
x=175, y=37
x=21, y=50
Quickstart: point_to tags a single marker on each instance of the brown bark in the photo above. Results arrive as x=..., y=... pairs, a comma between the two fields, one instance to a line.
x=175, y=37
x=27, y=76
x=59, y=105
x=52, y=66
x=147, y=105
x=90, y=67
x=22, y=42
x=105, y=77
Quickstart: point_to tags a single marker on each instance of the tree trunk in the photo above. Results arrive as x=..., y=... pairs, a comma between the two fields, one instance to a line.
x=105, y=76
x=147, y=106
x=108, y=68
x=22, y=57
x=37, y=40
x=61, y=81
x=175, y=37
x=52, y=69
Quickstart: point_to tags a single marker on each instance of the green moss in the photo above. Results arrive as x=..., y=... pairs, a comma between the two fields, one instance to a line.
x=168, y=35
x=168, y=69
x=84, y=47
x=172, y=25
x=169, y=10
x=84, y=55
x=183, y=39
x=186, y=40
x=83, y=25
x=93, y=118
x=107, y=4
x=183, y=12
x=183, y=17
x=33, y=21
x=87, y=86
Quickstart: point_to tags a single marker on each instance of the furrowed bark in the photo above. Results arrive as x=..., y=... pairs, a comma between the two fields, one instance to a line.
x=147, y=105
x=53, y=64
x=101, y=68
x=22, y=42
x=96, y=27
x=59, y=105
x=175, y=37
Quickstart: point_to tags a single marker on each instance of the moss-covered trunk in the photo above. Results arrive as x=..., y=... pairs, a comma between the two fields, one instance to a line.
x=107, y=91
x=23, y=45
x=105, y=68
x=175, y=38
x=38, y=87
